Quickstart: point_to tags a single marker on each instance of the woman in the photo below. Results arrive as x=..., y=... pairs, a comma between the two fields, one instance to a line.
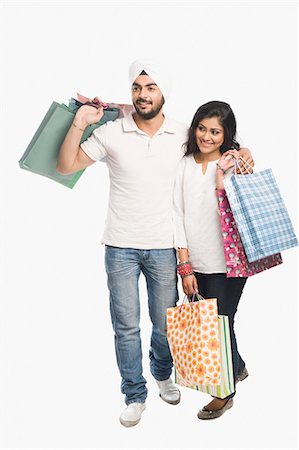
x=210, y=152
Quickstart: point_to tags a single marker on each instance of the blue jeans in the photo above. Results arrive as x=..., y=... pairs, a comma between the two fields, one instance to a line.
x=123, y=266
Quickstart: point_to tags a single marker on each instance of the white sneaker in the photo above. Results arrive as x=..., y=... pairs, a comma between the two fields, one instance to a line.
x=169, y=392
x=132, y=414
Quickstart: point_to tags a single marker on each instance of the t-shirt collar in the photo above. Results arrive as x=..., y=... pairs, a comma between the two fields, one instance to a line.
x=129, y=125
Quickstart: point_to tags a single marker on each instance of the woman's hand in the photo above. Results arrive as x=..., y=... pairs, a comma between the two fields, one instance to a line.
x=225, y=162
x=189, y=285
x=227, y=159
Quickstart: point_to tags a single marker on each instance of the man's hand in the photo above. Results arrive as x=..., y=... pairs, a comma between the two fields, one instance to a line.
x=88, y=115
x=190, y=285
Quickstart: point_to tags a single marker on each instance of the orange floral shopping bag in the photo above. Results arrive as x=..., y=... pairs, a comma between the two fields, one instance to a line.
x=193, y=337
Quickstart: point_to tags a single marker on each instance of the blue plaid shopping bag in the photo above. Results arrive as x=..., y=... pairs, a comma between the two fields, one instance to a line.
x=260, y=214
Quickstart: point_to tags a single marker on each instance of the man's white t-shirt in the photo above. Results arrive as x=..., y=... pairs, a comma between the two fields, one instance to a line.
x=142, y=172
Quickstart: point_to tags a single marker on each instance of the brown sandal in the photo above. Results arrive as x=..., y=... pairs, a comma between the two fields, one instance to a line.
x=207, y=414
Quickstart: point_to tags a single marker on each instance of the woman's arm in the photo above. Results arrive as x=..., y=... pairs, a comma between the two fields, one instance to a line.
x=189, y=282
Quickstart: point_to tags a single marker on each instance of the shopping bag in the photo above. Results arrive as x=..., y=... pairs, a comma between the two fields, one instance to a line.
x=261, y=216
x=124, y=109
x=42, y=152
x=237, y=264
x=192, y=332
x=226, y=385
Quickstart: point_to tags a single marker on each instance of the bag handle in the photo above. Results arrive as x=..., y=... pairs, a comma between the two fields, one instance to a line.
x=193, y=296
x=242, y=163
x=186, y=299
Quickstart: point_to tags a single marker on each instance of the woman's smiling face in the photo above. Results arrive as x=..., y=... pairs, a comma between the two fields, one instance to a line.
x=209, y=136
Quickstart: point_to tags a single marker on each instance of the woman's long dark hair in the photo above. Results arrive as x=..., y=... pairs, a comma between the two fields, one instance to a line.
x=226, y=118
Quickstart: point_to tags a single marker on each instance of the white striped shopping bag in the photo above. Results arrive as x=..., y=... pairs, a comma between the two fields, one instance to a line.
x=226, y=386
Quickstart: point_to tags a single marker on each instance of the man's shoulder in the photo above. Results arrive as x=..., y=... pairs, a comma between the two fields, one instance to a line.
x=110, y=125
x=117, y=123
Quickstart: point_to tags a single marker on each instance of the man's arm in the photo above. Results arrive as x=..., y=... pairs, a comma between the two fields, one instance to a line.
x=71, y=157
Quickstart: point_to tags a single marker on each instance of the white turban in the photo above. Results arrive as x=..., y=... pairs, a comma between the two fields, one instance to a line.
x=155, y=71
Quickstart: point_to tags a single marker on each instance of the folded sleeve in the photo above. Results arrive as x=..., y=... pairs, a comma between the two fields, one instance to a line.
x=180, y=239
x=95, y=146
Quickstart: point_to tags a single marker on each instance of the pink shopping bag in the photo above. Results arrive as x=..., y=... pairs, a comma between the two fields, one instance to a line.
x=237, y=264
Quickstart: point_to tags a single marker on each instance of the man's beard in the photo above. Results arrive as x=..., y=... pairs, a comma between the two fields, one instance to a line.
x=151, y=114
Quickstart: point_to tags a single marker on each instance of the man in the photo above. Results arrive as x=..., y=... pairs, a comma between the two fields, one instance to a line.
x=142, y=151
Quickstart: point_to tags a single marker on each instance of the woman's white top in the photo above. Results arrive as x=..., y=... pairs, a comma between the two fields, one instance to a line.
x=197, y=217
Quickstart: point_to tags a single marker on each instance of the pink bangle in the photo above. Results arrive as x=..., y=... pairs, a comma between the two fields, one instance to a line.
x=184, y=269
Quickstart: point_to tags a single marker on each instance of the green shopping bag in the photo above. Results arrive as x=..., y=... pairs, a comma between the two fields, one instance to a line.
x=226, y=386
x=42, y=152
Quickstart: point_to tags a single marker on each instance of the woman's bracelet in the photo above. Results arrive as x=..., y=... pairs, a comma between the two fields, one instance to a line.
x=184, y=269
x=220, y=168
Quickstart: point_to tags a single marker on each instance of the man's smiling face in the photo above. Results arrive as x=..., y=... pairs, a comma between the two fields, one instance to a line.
x=146, y=97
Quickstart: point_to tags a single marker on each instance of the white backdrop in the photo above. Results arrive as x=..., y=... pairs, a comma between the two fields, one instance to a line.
x=60, y=383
